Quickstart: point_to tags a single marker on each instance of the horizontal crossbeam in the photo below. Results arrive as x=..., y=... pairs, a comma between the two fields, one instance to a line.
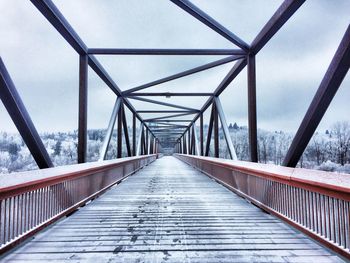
x=169, y=94
x=166, y=51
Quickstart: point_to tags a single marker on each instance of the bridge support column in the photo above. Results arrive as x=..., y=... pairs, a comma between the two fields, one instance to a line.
x=189, y=141
x=147, y=142
x=184, y=144
x=195, y=139
x=83, y=101
x=119, y=132
x=180, y=145
x=216, y=132
x=252, y=124
x=134, y=134
x=201, y=138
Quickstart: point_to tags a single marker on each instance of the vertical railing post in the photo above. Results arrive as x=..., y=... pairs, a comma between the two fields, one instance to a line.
x=83, y=100
x=252, y=125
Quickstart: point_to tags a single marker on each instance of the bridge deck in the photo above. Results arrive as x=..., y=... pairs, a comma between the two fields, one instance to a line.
x=169, y=212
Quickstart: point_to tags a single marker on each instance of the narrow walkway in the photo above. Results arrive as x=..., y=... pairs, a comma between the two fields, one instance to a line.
x=169, y=212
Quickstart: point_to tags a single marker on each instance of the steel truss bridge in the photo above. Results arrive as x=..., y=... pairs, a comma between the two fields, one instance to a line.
x=170, y=209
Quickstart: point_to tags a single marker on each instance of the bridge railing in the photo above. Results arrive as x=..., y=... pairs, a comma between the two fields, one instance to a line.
x=315, y=202
x=29, y=201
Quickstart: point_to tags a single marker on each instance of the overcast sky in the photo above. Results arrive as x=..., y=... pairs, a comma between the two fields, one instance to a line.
x=44, y=67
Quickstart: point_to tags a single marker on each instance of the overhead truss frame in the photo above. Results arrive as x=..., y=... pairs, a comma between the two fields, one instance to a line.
x=159, y=126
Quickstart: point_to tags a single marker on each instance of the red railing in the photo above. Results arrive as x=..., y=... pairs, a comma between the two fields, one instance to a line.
x=32, y=200
x=315, y=202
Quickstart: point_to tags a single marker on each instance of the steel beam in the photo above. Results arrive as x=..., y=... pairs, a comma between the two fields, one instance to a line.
x=139, y=142
x=54, y=16
x=144, y=148
x=105, y=77
x=19, y=115
x=107, y=139
x=184, y=73
x=180, y=145
x=216, y=132
x=147, y=142
x=142, y=142
x=184, y=144
x=252, y=123
x=167, y=130
x=171, y=125
x=189, y=141
x=119, y=132
x=210, y=22
x=330, y=83
x=167, y=111
x=224, y=126
x=190, y=138
x=236, y=69
x=169, y=94
x=163, y=103
x=126, y=133
x=166, y=120
x=279, y=18
x=167, y=133
x=201, y=135
x=169, y=116
x=170, y=52
x=231, y=75
x=83, y=101
x=151, y=145
x=195, y=138
x=210, y=130
x=134, y=134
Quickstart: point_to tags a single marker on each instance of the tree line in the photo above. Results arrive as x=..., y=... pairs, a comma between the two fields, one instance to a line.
x=329, y=150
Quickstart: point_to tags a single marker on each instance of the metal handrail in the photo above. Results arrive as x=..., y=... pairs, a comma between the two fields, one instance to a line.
x=315, y=202
x=30, y=201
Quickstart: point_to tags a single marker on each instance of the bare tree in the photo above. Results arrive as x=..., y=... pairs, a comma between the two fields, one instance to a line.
x=341, y=136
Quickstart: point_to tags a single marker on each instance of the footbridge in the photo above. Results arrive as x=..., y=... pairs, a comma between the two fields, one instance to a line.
x=168, y=196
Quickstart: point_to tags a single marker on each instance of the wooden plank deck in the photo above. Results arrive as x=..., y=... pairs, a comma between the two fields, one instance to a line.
x=169, y=212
